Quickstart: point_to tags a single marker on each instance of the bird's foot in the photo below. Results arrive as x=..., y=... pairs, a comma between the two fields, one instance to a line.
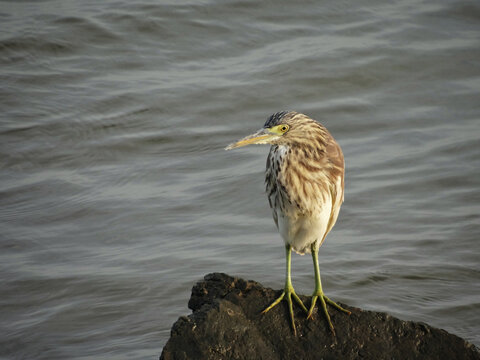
x=324, y=300
x=289, y=292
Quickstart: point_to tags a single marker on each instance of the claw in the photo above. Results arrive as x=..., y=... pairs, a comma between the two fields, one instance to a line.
x=274, y=303
x=289, y=292
x=318, y=293
x=324, y=300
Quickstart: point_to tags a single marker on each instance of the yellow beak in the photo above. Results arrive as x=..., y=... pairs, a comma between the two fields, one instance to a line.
x=262, y=136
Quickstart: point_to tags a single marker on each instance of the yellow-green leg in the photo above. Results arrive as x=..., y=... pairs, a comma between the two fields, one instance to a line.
x=289, y=291
x=318, y=292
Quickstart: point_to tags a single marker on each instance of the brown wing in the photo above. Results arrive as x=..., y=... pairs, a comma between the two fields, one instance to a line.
x=335, y=174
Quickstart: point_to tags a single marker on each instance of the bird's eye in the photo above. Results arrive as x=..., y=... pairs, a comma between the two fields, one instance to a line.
x=284, y=128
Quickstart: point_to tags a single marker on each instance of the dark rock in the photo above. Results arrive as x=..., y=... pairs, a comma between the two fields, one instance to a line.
x=226, y=324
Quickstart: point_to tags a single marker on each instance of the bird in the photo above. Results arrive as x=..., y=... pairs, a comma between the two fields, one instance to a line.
x=304, y=181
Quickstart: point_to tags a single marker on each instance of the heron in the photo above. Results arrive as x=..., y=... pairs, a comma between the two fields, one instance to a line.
x=304, y=180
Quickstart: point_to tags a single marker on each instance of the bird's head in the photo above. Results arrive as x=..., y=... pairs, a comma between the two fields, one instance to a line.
x=281, y=128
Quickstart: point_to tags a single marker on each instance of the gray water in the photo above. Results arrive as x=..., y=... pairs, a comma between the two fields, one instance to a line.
x=116, y=194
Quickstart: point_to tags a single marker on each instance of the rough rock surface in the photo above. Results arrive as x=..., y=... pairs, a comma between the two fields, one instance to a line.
x=226, y=324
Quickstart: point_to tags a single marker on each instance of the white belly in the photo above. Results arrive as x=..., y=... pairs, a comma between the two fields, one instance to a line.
x=302, y=231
